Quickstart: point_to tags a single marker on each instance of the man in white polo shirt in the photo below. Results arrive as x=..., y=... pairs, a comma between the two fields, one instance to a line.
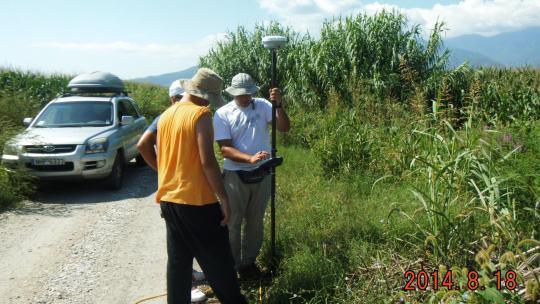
x=241, y=130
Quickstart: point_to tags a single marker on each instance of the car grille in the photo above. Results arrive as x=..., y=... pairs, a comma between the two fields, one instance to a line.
x=52, y=168
x=50, y=149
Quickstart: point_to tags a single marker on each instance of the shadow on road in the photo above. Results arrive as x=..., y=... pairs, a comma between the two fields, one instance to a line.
x=138, y=182
x=61, y=198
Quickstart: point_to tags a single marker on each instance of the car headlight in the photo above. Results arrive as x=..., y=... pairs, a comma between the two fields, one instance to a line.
x=10, y=149
x=97, y=145
x=10, y=153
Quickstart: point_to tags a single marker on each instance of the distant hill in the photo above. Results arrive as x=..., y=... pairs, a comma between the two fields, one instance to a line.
x=459, y=56
x=509, y=49
x=166, y=79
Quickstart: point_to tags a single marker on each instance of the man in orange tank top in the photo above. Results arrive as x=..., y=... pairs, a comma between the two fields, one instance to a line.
x=189, y=180
x=146, y=147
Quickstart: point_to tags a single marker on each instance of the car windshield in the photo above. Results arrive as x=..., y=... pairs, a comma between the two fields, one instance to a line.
x=76, y=114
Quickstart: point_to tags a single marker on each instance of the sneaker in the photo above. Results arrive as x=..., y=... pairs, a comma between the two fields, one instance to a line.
x=197, y=296
x=197, y=276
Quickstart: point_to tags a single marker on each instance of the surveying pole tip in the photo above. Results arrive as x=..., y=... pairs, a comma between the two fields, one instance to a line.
x=274, y=42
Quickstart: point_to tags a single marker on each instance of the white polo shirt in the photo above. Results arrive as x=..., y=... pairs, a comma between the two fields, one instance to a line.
x=246, y=127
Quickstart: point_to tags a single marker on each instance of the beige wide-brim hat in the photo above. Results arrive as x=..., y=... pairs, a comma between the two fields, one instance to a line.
x=205, y=84
x=242, y=84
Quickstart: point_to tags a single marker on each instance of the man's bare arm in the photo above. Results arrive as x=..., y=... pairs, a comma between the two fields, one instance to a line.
x=205, y=136
x=230, y=152
x=146, y=148
x=283, y=123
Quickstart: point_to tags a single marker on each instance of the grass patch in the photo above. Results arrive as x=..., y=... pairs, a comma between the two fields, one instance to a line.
x=335, y=239
x=338, y=240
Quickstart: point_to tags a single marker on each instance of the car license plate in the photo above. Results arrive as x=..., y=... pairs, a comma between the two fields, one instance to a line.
x=48, y=162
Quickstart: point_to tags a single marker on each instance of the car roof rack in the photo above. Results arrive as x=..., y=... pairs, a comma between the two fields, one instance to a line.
x=96, y=94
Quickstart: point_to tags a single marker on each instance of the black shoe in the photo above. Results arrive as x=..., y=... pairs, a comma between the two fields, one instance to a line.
x=251, y=272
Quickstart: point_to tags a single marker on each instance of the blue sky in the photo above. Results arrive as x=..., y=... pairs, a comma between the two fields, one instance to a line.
x=141, y=38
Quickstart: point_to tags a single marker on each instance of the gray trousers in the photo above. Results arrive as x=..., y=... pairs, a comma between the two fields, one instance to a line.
x=248, y=203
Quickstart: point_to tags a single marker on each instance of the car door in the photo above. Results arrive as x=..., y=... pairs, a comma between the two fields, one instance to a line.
x=124, y=132
x=134, y=130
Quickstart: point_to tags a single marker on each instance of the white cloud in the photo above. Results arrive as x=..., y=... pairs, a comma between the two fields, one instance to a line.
x=307, y=15
x=485, y=17
x=123, y=58
x=480, y=16
x=173, y=51
x=307, y=7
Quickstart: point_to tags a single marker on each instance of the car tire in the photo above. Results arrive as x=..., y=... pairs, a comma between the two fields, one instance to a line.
x=115, y=180
x=139, y=160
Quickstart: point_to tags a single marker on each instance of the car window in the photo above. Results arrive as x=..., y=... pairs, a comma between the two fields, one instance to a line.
x=121, y=110
x=76, y=114
x=137, y=108
x=128, y=109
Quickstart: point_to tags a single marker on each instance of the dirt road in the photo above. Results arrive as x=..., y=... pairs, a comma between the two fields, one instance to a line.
x=76, y=243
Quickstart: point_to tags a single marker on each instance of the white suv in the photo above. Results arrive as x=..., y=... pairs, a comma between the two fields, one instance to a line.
x=90, y=133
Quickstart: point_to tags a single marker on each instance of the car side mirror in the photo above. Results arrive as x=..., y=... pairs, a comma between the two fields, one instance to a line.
x=127, y=120
x=27, y=121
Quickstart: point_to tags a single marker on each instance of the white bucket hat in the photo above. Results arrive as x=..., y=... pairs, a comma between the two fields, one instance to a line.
x=242, y=84
x=176, y=89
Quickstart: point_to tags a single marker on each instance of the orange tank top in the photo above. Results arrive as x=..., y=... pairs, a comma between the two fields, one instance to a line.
x=181, y=178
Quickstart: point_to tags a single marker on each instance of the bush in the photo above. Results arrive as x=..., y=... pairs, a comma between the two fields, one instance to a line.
x=345, y=146
x=151, y=99
x=14, y=186
x=522, y=170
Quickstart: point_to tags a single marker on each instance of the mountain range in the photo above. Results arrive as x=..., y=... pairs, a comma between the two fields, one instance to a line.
x=510, y=49
x=166, y=79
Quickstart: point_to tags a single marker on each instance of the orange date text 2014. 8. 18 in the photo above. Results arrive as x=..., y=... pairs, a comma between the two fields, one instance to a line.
x=424, y=280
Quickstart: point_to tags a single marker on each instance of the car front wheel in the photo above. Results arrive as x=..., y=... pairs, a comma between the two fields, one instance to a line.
x=115, y=179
